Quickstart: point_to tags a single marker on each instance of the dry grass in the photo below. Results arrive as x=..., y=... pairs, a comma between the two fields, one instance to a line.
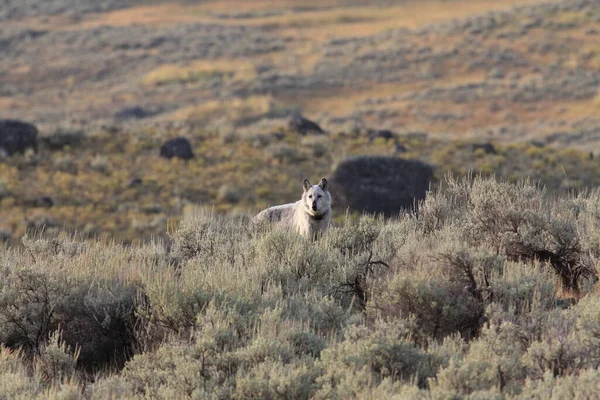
x=200, y=71
x=311, y=26
x=223, y=94
x=233, y=111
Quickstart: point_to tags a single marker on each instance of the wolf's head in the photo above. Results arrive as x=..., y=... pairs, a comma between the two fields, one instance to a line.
x=316, y=199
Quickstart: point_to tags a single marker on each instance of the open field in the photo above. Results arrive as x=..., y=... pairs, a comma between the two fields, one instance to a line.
x=458, y=68
x=112, y=80
x=129, y=275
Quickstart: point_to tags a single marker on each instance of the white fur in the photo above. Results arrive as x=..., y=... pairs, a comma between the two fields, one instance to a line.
x=309, y=216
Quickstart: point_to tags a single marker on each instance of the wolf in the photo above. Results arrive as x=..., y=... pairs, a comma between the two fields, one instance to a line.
x=310, y=216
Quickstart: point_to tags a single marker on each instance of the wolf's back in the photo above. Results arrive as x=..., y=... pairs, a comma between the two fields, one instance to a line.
x=283, y=213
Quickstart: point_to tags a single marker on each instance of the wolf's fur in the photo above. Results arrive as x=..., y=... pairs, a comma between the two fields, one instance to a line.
x=310, y=216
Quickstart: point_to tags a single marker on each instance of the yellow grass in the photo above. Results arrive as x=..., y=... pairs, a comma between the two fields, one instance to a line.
x=331, y=18
x=234, y=110
x=200, y=71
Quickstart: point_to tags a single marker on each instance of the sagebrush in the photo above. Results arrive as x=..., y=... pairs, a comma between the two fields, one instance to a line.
x=486, y=290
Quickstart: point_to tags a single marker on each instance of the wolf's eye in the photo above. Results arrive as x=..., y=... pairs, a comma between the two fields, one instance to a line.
x=319, y=196
x=310, y=196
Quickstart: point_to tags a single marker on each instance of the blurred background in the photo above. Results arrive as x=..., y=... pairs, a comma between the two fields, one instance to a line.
x=117, y=116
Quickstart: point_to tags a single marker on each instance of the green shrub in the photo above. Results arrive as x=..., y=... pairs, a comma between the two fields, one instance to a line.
x=95, y=314
x=440, y=308
x=492, y=363
x=514, y=219
x=173, y=371
x=277, y=380
x=576, y=387
x=292, y=262
x=284, y=153
x=56, y=361
x=444, y=302
x=569, y=343
x=365, y=357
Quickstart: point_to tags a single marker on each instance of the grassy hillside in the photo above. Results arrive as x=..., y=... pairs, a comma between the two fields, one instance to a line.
x=108, y=82
x=489, y=292
x=130, y=193
x=126, y=275
x=452, y=68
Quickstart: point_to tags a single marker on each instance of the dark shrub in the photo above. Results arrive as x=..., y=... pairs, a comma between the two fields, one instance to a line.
x=441, y=308
x=97, y=317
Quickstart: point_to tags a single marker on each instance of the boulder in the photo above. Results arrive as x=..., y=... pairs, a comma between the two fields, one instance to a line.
x=303, y=126
x=179, y=147
x=380, y=184
x=17, y=136
x=133, y=112
x=381, y=133
x=400, y=148
x=135, y=182
x=278, y=135
x=62, y=138
x=39, y=201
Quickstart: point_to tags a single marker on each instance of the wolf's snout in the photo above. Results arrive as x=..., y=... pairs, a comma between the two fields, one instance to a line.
x=314, y=206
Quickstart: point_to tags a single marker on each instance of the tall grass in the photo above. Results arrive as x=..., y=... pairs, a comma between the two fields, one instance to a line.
x=487, y=291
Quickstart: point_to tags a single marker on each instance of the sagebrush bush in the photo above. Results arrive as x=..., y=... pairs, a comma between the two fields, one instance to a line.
x=386, y=351
x=492, y=363
x=56, y=361
x=284, y=153
x=487, y=290
x=277, y=380
x=577, y=387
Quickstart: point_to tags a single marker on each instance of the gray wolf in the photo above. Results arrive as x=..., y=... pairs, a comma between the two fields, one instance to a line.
x=309, y=216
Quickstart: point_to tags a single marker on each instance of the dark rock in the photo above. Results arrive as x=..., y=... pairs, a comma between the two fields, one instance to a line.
x=303, y=126
x=278, y=135
x=61, y=139
x=40, y=201
x=152, y=209
x=379, y=184
x=537, y=143
x=135, y=112
x=384, y=133
x=135, y=182
x=487, y=148
x=17, y=136
x=179, y=147
x=5, y=236
x=398, y=148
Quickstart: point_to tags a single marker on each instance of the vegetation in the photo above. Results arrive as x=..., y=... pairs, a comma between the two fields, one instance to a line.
x=116, y=184
x=226, y=74
x=126, y=275
x=488, y=291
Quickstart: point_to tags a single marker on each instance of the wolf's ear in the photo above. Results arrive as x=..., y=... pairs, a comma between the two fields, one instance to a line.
x=306, y=185
x=323, y=184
